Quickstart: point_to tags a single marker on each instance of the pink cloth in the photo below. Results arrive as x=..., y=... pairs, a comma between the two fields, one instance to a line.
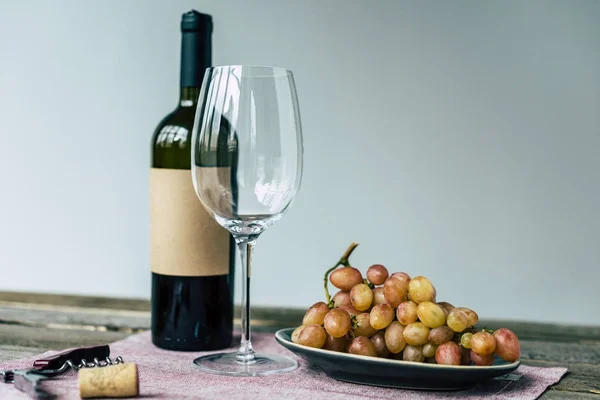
x=170, y=375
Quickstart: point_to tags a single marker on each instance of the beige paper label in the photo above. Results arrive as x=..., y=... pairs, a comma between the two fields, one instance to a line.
x=184, y=239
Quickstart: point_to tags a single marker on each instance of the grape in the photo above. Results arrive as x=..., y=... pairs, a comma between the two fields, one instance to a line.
x=361, y=297
x=378, y=341
x=363, y=346
x=430, y=314
x=440, y=335
x=429, y=349
x=345, y=278
x=350, y=310
x=378, y=296
x=406, y=312
x=394, y=337
x=483, y=343
x=296, y=333
x=465, y=340
x=337, y=322
x=341, y=298
x=481, y=360
x=420, y=289
x=466, y=356
x=395, y=291
x=430, y=360
x=448, y=354
x=508, y=346
x=363, y=326
x=457, y=320
x=413, y=353
x=472, y=317
x=416, y=334
x=381, y=316
x=336, y=344
x=312, y=336
x=315, y=314
x=446, y=306
x=377, y=274
x=402, y=275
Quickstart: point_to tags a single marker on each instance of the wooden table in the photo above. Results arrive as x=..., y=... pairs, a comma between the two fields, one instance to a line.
x=33, y=323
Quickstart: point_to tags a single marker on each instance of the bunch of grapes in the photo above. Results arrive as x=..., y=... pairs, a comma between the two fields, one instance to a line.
x=396, y=316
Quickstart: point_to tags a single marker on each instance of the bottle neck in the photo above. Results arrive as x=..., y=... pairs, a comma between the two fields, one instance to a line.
x=188, y=97
x=196, y=57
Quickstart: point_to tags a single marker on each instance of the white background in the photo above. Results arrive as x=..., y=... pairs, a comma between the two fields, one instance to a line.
x=458, y=140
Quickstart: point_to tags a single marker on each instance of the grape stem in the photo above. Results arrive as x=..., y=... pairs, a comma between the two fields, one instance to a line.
x=344, y=260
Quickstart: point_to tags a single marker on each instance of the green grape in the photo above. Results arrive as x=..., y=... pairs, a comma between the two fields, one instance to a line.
x=394, y=337
x=377, y=274
x=363, y=346
x=430, y=314
x=361, y=297
x=381, y=316
x=472, y=317
x=337, y=322
x=429, y=349
x=413, y=353
x=465, y=340
x=315, y=314
x=296, y=333
x=457, y=320
x=483, y=343
x=441, y=334
x=345, y=278
x=416, y=334
x=378, y=296
x=312, y=336
x=363, y=326
x=420, y=289
x=406, y=313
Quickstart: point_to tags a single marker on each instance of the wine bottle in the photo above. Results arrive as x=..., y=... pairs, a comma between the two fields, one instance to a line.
x=192, y=258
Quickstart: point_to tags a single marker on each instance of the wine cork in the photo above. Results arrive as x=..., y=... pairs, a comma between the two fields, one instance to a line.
x=119, y=380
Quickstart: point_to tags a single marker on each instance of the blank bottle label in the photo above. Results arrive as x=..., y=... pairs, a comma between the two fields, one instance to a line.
x=184, y=239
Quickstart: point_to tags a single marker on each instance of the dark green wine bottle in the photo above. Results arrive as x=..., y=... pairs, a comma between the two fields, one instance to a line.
x=192, y=257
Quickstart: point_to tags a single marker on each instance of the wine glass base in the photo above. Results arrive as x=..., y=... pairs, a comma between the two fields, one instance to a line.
x=228, y=364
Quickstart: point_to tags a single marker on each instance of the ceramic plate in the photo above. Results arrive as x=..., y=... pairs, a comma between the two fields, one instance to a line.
x=394, y=373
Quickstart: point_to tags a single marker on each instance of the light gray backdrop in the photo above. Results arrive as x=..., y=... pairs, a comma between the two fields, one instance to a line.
x=458, y=140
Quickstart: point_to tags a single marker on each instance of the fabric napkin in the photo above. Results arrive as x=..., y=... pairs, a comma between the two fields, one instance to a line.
x=170, y=375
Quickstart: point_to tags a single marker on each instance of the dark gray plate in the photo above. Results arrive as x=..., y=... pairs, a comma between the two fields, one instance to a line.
x=394, y=373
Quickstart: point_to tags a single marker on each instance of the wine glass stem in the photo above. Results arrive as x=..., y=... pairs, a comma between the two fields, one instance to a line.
x=246, y=245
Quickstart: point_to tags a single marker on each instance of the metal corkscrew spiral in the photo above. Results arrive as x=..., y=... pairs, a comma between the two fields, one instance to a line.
x=97, y=363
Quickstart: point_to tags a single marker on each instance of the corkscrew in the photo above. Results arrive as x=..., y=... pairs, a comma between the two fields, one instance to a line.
x=27, y=380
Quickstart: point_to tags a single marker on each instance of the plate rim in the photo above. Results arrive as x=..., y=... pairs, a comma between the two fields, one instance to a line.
x=386, y=361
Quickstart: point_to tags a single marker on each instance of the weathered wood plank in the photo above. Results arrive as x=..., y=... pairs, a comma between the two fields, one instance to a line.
x=76, y=301
x=561, y=352
x=582, y=377
x=54, y=339
x=288, y=317
x=562, y=395
x=8, y=352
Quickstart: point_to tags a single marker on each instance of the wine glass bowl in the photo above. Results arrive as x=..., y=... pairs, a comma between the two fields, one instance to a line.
x=247, y=155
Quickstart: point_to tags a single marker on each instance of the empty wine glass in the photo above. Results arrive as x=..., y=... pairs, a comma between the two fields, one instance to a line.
x=246, y=169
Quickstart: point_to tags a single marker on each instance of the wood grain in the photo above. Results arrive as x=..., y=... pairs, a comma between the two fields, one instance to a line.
x=33, y=323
